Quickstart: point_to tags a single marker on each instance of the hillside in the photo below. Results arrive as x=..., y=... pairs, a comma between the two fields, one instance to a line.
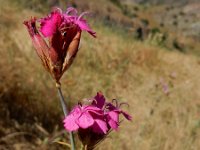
x=178, y=26
x=160, y=2
x=161, y=85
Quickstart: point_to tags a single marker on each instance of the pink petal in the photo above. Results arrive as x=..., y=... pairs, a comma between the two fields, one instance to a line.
x=71, y=10
x=84, y=26
x=91, y=107
x=70, y=121
x=126, y=115
x=50, y=25
x=114, y=116
x=85, y=120
x=70, y=124
x=100, y=126
x=76, y=112
x=94, y=110
x=114, y=125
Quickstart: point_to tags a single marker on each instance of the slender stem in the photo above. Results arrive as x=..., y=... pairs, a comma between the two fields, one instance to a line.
x=62, y=101
x=65, y=111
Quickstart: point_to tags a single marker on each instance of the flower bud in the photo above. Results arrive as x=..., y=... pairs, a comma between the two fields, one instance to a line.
x=62, y=32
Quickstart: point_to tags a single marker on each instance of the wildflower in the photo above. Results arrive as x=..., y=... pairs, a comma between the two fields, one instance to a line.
x=95, y=120
x=165, y=86
x=57, y=39
x=84, y=117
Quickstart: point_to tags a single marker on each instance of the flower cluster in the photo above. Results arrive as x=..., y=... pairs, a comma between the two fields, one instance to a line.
x=99, y=116
x=62, y=31
x=56, y=42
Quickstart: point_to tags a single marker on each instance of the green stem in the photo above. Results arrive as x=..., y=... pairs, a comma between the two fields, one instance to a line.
x=65, y=111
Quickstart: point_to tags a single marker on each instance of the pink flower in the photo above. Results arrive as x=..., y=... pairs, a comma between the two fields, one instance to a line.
x=62, y=31
x=84, y=117
x=95, y=120
x=111, y=111
x=99, y=116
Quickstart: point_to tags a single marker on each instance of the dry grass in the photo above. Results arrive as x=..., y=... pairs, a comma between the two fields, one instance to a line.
x=121, y=68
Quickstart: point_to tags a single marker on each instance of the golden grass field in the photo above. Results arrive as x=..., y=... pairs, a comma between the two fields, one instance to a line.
x=131, y=71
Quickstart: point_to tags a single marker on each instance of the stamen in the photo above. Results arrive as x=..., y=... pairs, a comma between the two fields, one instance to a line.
x=116, y=102
x=71, y=10
x=57, y=9
x=82, y=14
x=121, y=104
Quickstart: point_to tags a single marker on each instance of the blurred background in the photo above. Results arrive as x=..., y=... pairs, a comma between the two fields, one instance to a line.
x=147, y=53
